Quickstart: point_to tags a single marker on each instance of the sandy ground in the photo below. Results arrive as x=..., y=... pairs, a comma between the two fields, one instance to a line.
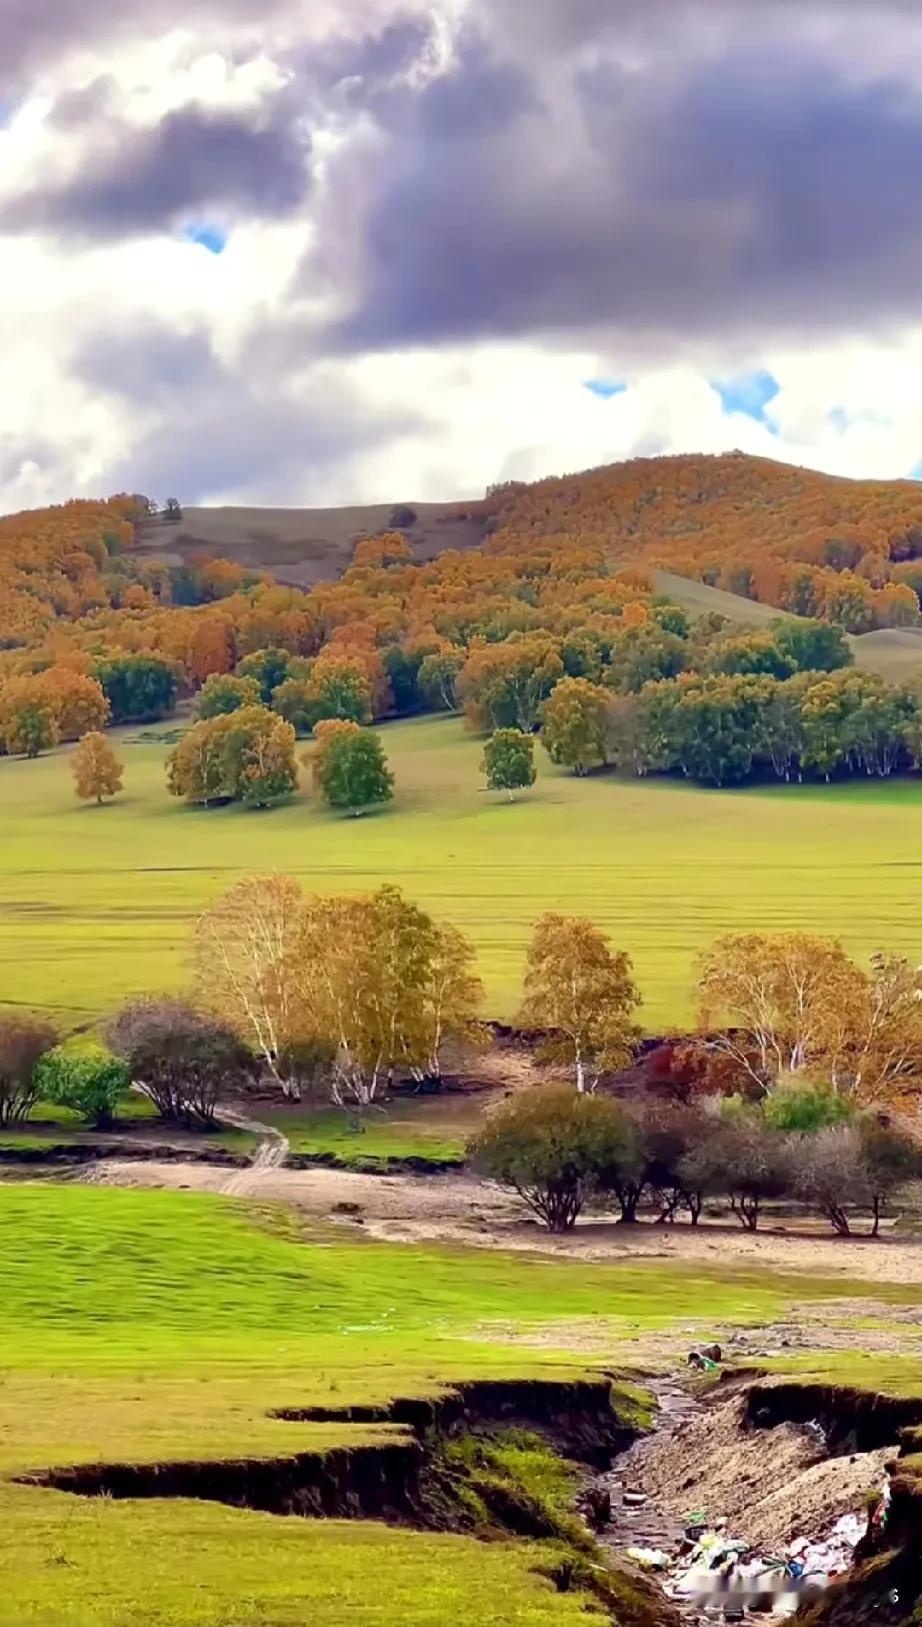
x=458, y=1208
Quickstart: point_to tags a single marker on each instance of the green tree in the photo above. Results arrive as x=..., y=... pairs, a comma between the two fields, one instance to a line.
x=813, y=646
x=86, y=1078
x=644, y=654
x=268, y=669
x=30, y=728
x=551, y=1146
x=292, y=701
x=752, y=654
x=438, y=677
x=574, y=724
x=352, y=771
x=139, y=688
x=224, y=693
x=339, y=689
x=509, y=761
x=504, y=685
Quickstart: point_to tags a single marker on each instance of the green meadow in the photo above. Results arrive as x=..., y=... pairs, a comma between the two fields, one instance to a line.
x=158, y=1327
x=95, y=902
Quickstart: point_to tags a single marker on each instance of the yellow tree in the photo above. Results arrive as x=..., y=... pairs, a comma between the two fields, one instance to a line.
x=251, y=970
x=777, y=1003
x=580, y=992
x=97, y=771
x=574, y=724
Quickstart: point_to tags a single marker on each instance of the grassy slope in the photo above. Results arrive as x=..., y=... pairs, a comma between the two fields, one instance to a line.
x=154, y=1326
x=97, y=900
x=303, y=545
x=893, y=652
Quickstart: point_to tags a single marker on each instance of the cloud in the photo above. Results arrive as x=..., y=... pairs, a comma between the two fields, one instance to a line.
x=742, y=195
x=215, y=429
x=195, y=159
x=448, y=230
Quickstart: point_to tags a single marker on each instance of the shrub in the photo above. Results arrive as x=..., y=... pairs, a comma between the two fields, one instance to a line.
x=179, y=1058
x=892, y=1160
x=552, y=1145
x=741, y=1158
x=829, y=1171
x=800, y=1107
x=23, y=1042
x=89, y=1080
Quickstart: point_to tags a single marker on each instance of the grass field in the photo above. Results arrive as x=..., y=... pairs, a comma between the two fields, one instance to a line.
x=153, y=1327
x=434, y=1129
x=96, y=902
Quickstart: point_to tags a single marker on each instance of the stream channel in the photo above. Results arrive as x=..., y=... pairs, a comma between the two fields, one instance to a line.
x=775, y=1494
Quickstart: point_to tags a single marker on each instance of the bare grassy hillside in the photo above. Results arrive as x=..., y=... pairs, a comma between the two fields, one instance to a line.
x=306, y=545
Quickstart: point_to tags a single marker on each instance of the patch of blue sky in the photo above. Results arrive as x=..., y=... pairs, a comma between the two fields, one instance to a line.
x=748, y=393
x=605, y=388
x=206, y=236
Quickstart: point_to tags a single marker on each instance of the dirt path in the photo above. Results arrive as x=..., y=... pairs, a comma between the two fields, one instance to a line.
x=270, y=1155
x=460, y=1209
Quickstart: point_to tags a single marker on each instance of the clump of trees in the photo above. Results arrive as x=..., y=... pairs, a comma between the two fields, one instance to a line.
x=96, y=769
x=244, y=756
x=557, y=1154
x=794, y=1003
x=139, y=688
x=370, y=983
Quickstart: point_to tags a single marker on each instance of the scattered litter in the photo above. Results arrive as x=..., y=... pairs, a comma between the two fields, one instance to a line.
x=721, y=1574
x=703, y=1363
x=650, y=1559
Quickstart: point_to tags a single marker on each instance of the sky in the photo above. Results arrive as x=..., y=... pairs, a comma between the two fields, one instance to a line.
x=333, y=251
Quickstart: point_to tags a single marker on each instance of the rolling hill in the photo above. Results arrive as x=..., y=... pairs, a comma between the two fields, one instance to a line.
x=892, y=652
x=787, y=538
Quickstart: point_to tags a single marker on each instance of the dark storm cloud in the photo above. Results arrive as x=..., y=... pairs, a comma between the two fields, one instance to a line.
x=134, y=181
x=221, y=427
x=737, y=190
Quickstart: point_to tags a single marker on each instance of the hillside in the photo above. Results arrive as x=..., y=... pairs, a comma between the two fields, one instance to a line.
x=791, y=538
x=305, y=545
x=894, y=653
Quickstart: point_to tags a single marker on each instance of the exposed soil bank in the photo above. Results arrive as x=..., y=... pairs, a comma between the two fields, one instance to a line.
x=62, y=1153
x=450, y=1467
x=378, y=1481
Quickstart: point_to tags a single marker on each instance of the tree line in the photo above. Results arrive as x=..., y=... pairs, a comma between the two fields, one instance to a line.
x=343, y=994
x=559, y=1150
